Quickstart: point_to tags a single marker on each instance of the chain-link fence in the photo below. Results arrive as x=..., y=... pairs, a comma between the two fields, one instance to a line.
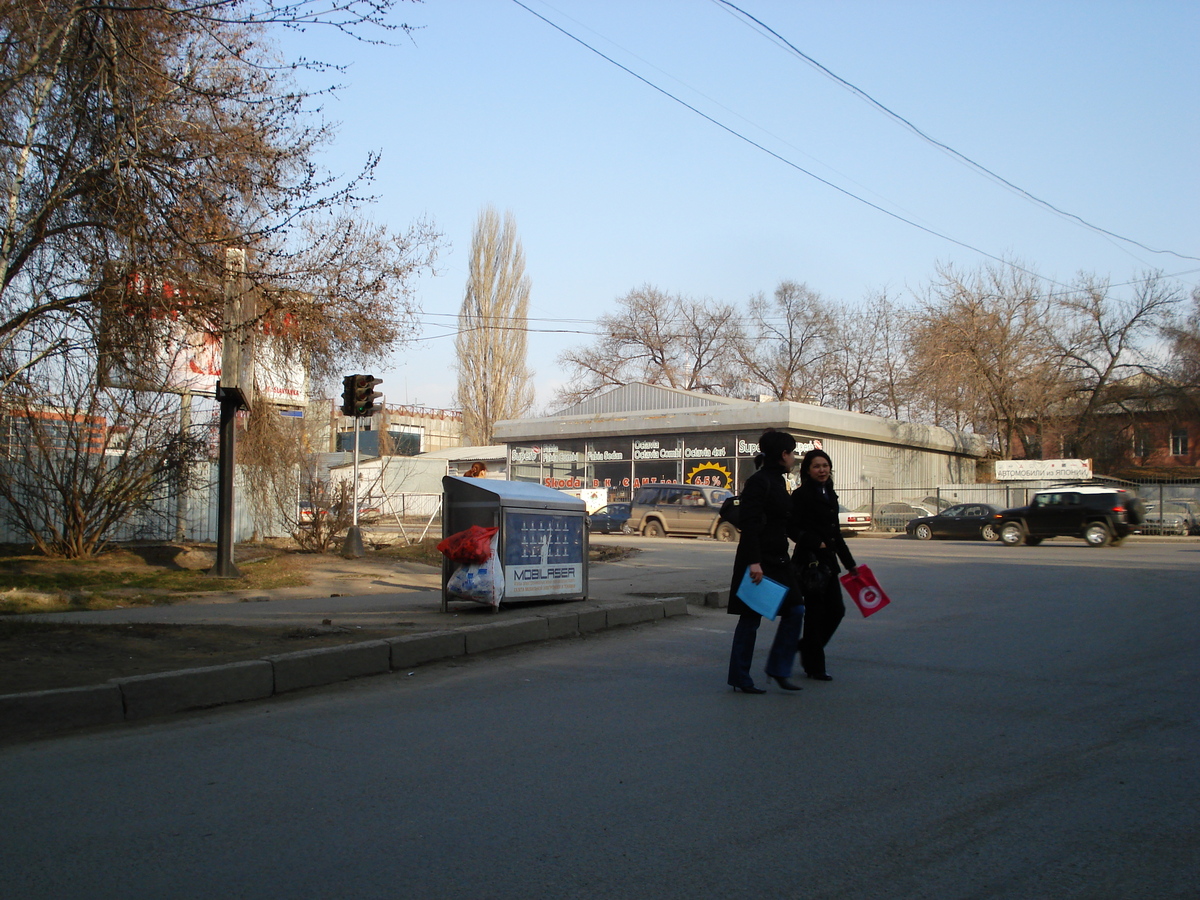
x=1171, y=507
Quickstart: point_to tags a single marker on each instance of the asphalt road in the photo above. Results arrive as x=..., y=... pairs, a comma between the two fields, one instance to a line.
x=1019, y=723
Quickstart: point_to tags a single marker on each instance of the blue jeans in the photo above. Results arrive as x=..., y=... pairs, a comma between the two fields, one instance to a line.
x=782, y=657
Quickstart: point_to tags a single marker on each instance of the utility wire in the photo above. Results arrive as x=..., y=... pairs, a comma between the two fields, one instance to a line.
x=979, y=167
x=504, y=323
x=782, y=159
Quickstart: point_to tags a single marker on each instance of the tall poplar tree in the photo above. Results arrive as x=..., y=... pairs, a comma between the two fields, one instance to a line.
x=494, y=382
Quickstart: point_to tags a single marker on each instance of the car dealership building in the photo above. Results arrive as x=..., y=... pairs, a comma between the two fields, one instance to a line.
x=640, y=433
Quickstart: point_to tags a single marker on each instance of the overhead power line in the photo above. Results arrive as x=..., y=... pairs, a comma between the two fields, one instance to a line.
x=782, y=159
x=501, y=323
x=979, y=167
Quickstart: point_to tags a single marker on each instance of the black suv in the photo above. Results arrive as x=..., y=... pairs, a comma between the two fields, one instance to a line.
x=1099, y=515
x=671, y=508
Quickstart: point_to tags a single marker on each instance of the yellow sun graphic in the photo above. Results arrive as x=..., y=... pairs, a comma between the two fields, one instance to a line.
x=711, y=474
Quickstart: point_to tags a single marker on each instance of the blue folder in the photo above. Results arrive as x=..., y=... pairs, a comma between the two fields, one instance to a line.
x=765, y=597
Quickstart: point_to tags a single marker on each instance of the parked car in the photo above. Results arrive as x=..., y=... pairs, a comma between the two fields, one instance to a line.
x=687, y=509
x=1193, y=508
x=1189, y=509
x=895, y=516
x=1099, y=515
x=852, y=521
x=1171, y=518
x=307, y=512
x=610, y=519
x=966, y=520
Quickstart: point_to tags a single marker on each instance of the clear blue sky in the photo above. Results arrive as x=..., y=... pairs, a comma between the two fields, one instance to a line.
x=1091, y=106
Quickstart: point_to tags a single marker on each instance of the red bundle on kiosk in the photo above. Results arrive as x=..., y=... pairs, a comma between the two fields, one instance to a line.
x=473, y=546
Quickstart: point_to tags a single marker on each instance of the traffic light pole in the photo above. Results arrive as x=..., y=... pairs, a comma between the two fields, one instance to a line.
x=354, y=519
x=353, y=548
x=358, y=401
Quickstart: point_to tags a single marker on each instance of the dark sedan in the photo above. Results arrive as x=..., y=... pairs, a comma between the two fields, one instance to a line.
x=610, y=519
x=966, y=520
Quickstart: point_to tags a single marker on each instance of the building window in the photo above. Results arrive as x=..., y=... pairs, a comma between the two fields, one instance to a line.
x=405, y=441
x=1032, y=445
x=1179, y=442
x=1143, y=446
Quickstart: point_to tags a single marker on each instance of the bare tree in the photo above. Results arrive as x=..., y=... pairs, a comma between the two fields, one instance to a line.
x=286, y=483
x=658, y=338
x=146, y=140
x=866, y=370
x=138, y=144
x=1184, y=337
x=1111, y=363
x=494, y=381
x=81, y=462
x=273, y=452
x=786, y=341
x=983, y=355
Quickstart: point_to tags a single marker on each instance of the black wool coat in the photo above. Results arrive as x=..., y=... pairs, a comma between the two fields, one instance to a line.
x=765, y=513
x=814, y=521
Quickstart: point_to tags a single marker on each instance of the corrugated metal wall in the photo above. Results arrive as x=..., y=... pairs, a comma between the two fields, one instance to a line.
x=639, y=397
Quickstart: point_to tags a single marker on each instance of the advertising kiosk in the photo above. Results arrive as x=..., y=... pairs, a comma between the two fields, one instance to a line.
x=542, y=543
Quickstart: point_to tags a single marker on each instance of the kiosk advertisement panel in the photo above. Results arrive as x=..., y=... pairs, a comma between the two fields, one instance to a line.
x=543, y=554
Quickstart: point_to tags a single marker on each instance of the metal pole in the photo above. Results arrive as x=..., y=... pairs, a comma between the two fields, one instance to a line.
x=352, y=548
x=224, y=567
x=354, y=520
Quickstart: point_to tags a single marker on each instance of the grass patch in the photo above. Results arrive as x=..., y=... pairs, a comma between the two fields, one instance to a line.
x=153, y=575
x=30, y=583
x=420, y=551
x=426, y=552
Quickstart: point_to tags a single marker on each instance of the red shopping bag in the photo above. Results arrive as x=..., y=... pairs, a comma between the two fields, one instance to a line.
x=864, y=590
x=470, y=547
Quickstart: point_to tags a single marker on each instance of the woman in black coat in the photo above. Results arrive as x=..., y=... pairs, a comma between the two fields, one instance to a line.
x=815, y=529
x=764, y=510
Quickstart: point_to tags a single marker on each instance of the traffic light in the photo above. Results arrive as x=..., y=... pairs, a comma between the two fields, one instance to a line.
x=348, y=395
x=365, y=395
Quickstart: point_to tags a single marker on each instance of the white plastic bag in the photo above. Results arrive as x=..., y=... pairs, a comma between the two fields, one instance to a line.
x=481, y=582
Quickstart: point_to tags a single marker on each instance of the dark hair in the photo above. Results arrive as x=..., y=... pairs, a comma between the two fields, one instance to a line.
x=774, y=444
x=806, y=462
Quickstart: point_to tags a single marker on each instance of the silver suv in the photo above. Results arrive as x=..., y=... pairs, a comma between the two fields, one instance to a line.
x=667, y=508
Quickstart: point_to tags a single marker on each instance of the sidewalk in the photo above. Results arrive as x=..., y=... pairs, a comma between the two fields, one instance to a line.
x=351, y=593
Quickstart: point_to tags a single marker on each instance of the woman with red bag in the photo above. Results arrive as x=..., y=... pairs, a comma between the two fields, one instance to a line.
x=819, y=546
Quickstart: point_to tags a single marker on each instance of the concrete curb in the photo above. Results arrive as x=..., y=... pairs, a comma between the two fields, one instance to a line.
x=137, y=697
x=162, y=693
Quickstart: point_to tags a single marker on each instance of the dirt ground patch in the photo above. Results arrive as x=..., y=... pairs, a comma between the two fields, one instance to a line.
x=44, y=656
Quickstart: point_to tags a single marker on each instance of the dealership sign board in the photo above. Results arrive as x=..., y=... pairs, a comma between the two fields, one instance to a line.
x=161, y=352
x=1043, y=469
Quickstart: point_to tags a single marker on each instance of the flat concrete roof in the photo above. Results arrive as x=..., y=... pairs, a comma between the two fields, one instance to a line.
x=726, y=414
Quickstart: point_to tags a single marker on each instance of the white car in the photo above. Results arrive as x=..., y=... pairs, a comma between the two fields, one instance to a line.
x=853, y=522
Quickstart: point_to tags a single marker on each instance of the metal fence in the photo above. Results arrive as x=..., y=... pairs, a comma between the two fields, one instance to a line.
x=892, y=508
x=192, y=516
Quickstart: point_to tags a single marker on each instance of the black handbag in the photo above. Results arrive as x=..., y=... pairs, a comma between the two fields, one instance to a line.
x=812, y=574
